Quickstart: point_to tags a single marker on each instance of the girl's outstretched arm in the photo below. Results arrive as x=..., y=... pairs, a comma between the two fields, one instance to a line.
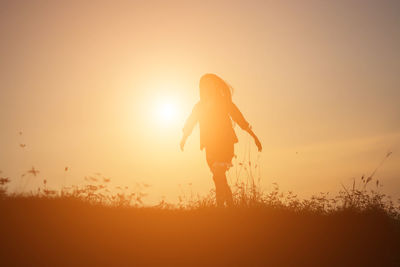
x=238, y=117
x=189, y=125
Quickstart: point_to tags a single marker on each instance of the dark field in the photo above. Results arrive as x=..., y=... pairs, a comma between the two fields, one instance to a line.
x=66, y=231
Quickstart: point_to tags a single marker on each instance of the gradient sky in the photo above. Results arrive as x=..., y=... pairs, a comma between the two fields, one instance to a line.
x=84, y=80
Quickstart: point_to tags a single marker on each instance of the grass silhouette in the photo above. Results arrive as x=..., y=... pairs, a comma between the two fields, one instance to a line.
x=94, y=225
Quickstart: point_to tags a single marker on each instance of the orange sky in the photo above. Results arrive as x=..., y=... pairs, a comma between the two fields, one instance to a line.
x=85, y=81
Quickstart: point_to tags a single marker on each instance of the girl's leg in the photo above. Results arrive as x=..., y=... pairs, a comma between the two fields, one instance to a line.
x=228, y=194
x=219, y=186
x=219, y=159
x=222, y=189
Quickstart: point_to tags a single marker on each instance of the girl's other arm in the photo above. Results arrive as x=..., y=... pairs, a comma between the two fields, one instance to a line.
x=256, y=140
x=238, y=117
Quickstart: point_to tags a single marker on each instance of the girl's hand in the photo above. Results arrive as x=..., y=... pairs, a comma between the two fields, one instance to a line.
x=258, y=143
x=182, y=144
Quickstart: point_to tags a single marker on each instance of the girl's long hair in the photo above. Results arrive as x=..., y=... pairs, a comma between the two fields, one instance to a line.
x=213, y=87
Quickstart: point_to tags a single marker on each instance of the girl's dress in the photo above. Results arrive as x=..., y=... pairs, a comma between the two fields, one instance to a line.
x=217, y=135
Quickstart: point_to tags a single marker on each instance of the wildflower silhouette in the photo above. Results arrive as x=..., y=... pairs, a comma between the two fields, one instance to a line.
x=33, y=171
x=215, y=112
x=4, y=180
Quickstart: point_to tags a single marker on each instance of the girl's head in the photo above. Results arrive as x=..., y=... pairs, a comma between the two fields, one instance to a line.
x=213, y=88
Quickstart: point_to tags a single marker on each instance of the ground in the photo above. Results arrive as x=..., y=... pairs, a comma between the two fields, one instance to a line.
x=61, y=231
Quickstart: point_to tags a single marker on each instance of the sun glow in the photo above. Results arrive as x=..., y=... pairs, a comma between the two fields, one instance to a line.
x=166, y=111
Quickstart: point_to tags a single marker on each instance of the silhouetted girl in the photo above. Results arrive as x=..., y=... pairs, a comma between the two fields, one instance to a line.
x=214, y=112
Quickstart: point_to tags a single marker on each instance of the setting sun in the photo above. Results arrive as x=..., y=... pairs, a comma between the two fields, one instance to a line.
x=166, y=111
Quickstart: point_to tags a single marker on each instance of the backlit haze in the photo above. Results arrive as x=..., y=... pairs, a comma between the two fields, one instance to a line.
x=106, y=87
